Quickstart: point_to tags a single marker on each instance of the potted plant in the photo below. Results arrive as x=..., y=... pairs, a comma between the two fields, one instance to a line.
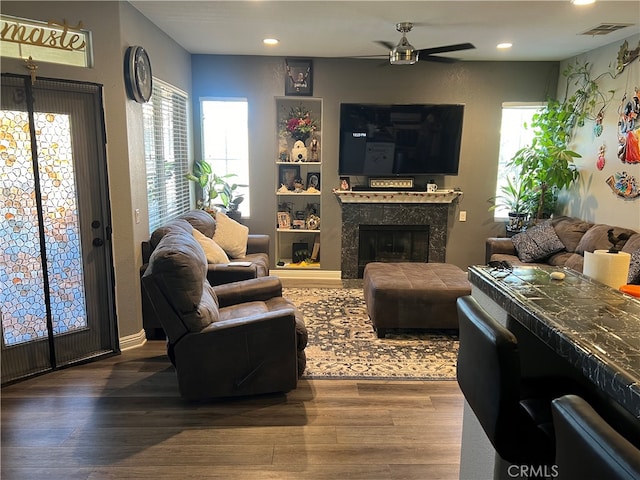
x=547, y=164
x=214, y=187
x=513, y=198
x=226, y=194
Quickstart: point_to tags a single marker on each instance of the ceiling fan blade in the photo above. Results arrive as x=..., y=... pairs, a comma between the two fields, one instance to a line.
x=368, y=56
x=446, y=48
x=433, y=58
x=385, y=44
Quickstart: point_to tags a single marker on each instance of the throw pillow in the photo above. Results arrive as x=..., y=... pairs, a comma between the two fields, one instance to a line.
x=634, y=268
x=537, y=243
x=597, y=238
x=231, y=236
x=213, y=251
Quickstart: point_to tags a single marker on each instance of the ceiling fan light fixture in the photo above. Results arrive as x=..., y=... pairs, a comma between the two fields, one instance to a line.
x=403, y=53
x=402, y=57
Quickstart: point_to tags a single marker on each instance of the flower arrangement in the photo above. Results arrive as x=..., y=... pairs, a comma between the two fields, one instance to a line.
x=298, y=124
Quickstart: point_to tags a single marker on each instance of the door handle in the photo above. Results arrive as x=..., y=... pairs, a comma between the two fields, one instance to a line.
x=98, y=242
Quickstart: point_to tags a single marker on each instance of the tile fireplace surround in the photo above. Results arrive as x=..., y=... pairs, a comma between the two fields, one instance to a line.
x=393, y=208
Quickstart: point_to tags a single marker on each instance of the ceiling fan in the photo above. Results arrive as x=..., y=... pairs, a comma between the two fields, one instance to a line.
x=405, y=54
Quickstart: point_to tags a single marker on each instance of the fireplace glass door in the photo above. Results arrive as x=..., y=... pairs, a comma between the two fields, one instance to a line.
x=392, y=243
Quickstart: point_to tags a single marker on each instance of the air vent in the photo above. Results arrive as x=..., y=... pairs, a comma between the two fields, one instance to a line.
x=606, y=28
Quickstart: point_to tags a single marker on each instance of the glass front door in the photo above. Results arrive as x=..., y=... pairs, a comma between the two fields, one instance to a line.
x=55, y=252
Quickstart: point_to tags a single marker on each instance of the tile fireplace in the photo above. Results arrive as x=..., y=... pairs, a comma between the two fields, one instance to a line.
x=405, y=212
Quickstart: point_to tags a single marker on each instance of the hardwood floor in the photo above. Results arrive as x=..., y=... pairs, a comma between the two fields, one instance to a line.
x=122, y=418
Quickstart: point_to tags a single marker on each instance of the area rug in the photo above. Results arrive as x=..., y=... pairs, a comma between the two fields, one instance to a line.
x=343, y=344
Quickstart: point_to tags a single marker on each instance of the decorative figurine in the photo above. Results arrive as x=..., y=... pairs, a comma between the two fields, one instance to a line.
x=600, y=162
x=313, y=222
x=283, y=150
x=298, y=185
x=315, y=149
x=597, y=128
x=299, y=152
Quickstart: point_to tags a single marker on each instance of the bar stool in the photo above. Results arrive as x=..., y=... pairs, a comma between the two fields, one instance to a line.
x=520, y=429
x=587, y=446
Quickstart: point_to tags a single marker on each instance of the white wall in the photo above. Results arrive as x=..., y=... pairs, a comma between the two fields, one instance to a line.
x=592, y=199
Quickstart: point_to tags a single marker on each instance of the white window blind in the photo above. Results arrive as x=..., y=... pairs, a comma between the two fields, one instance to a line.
x=166, y=150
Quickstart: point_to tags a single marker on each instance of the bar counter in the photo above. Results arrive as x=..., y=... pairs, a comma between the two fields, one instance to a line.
x=590, y=329
x=594, y=327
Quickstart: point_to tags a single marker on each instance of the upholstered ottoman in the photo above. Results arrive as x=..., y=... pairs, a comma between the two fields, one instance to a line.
x=413, y=295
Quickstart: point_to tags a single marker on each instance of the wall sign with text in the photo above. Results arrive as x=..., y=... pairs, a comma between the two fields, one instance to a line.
x=52, y=41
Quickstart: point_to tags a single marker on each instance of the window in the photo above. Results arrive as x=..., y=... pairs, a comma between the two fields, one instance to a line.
x=225, y=141
x=513, y=137
x=166, y=152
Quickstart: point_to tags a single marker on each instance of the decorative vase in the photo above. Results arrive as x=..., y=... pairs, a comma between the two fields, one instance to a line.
x=303, y=137
x=516, y=223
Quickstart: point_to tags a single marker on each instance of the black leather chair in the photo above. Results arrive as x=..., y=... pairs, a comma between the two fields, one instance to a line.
x=518, y=424
x=587, y=446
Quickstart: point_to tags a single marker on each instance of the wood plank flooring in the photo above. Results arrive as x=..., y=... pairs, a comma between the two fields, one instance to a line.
x=122, y=418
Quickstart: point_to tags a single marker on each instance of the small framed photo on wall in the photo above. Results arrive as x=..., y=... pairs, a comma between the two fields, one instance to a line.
x=345, y=184
x=313, y=180
x=298, y=77
x=287, y=175
x=284, y=220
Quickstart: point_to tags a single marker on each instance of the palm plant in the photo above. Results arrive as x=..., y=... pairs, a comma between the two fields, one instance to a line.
x=513, y=198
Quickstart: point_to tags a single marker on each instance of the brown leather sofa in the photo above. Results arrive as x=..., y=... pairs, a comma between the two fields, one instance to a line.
x=576, y=237
x=257, y=253
x=256, y=260
x=241, y=338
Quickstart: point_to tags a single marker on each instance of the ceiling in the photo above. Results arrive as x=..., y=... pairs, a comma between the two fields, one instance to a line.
x=539, y=30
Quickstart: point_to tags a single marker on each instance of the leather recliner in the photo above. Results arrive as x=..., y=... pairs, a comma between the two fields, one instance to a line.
x=255, y=263
x=241, y=338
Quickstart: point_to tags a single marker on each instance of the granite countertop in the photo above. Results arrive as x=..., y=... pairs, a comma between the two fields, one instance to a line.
x=595, y=327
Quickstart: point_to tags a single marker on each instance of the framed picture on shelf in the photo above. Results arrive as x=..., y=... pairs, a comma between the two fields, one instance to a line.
x=298, y=78
x=287, y=175
x=313, y=180
x=284, y=220
x=345, y=184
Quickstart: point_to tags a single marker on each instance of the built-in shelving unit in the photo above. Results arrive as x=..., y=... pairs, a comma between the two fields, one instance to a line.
x=299, y=209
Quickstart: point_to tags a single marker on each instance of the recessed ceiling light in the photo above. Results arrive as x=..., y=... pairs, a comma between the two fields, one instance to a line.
x=583, y=2
x=504, y=46
x=270, y=41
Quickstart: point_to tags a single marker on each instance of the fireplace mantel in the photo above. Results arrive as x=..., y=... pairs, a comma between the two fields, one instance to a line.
x=373, y=196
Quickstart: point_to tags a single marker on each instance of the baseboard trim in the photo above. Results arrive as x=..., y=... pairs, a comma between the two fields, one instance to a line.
x=302, y=274
x=133, y=341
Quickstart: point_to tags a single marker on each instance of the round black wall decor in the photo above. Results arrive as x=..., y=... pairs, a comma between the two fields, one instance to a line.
x=137, y=74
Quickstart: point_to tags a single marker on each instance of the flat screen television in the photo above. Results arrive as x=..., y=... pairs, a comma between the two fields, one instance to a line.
x=396, y=140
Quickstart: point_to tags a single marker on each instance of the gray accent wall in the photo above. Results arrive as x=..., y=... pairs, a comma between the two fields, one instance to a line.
x=481, y=86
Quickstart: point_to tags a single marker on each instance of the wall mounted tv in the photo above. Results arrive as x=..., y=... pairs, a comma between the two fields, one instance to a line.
x=397, y=140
